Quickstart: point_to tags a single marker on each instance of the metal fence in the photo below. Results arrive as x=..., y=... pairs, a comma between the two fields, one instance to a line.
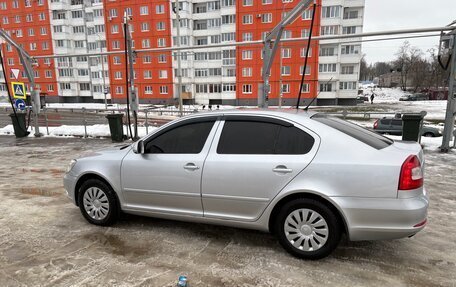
x=53, y=117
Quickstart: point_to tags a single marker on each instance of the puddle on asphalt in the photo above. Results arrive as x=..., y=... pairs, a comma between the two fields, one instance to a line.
x=117, y=246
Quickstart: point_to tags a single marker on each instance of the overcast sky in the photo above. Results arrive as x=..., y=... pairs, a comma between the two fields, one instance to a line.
x=383, y=15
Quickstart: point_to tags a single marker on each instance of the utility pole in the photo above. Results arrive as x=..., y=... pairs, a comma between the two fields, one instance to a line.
x=271, y=44
x=131, y=89
x=178, y=53
x=451, y=104
x=27, y=63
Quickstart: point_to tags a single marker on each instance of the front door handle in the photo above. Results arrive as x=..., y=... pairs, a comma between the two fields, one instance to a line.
x=282, y=169
x=191, y=166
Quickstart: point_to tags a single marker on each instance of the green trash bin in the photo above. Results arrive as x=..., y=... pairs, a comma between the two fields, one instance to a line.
x=411, y=126
x=20, y=129
x=116, y=127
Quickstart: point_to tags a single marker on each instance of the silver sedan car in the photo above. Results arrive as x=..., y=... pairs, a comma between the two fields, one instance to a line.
x=305, y=177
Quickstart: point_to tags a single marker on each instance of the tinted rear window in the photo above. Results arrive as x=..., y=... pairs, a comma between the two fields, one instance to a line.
x=254, y=137
x=368, y=137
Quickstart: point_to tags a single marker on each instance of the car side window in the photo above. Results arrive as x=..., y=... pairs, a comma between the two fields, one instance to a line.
x=255, y=137
x=396, y=122
x=385, y=122
x=189, y=138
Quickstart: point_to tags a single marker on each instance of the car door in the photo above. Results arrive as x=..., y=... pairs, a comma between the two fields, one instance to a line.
x=251, y=160
x=167, y=177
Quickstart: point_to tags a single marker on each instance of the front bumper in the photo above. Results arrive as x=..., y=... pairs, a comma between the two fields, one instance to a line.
x=69, y=183
x=383, y=218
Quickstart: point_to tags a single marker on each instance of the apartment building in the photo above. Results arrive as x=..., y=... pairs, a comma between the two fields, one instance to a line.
x=213, y=75
x=28, y=23
x=150, y=27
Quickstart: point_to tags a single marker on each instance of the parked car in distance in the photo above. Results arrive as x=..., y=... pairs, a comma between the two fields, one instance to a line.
x=393, y=126
x=414, y=97
x=305, y=177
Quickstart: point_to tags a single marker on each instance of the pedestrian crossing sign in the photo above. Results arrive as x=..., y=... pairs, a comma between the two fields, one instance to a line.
x=18, y=90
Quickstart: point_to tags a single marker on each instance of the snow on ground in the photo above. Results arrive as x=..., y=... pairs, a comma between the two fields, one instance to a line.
x=94, y=131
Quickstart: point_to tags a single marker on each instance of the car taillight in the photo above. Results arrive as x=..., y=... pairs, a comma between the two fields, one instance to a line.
x=376, y=124
x=411, y=174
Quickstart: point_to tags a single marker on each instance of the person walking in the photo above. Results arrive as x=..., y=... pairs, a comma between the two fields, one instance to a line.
x=372, y=98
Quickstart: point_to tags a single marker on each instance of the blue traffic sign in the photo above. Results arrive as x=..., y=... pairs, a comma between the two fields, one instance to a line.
x=20, y=104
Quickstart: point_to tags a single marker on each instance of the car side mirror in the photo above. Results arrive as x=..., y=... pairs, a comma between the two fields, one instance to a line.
x=138, y=147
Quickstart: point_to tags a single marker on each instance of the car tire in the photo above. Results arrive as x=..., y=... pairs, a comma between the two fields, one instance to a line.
x=97, y=202
x=428, y=135
x=308, y=229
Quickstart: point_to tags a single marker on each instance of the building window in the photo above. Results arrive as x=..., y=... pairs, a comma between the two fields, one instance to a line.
x=247, y=2
x=307, y=70
x=307, y=14
x=350, y=49
x=247, y=72
x=247, y=37
x=286, y=53
x=163, y=89
x=266, y=2
x=329, y=30
x=163, y=74
x=247, y=54
x=347, y=70
x=146, y=43
x=160, y=26
x=42, y=16
x=50, y=88
x=160, y=9
x=65, y=86
x=266, y=18
x=144, y=26
x=119, y=90
x=114, y=29
x=161, y=42
x=303, y=52
x=348, y=85
x=305, y=88
x=147, y=59
x=147, y=74
x=115, y=44
x=118, y=75
x=144, y=10
x=326, y=87
x=246, y=89
x=327, y=68
x=247, y=19
x=162, y=58
x=148, y=90
x=286, y=70
x=331, y=12
x=349, y=30
x=285, y=88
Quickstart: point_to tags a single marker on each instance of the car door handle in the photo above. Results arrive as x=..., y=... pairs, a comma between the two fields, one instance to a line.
x=282, y=169
x=191, y=166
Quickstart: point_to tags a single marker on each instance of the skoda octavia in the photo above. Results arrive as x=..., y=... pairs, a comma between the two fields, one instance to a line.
x=305, y=177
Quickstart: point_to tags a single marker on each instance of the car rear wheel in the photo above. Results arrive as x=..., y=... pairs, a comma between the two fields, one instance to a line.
x=308, y=229
x=428, y=134
x=97, y=202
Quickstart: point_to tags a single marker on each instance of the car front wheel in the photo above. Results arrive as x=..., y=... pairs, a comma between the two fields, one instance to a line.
x=97, y=202
x=308, y=229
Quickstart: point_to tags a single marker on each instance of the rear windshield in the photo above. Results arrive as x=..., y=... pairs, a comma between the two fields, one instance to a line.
x=368, y=137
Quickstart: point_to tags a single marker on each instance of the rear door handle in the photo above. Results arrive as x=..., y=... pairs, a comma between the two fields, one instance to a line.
x=282, y=169
x=191, y=166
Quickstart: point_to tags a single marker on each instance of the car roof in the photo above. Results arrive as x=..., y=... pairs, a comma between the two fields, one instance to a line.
x=287, y=113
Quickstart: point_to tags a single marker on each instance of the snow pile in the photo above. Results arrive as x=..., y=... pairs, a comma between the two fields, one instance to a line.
x=384, y=95
x=95, y=131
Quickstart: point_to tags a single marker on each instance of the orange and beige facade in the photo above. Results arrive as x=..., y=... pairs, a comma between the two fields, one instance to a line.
x=212, y=75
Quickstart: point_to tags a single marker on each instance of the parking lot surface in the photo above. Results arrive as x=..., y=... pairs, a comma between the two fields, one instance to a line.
x=44, y=240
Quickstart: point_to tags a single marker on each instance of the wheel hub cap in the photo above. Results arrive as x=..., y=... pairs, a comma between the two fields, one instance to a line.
x=96, y=203
x=306, y=229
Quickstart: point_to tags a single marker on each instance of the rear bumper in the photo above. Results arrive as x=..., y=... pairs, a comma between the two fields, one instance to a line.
x=382, y=218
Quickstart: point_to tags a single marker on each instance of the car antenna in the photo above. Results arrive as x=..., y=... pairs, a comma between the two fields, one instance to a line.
x=307, y=107
x=307, y=55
